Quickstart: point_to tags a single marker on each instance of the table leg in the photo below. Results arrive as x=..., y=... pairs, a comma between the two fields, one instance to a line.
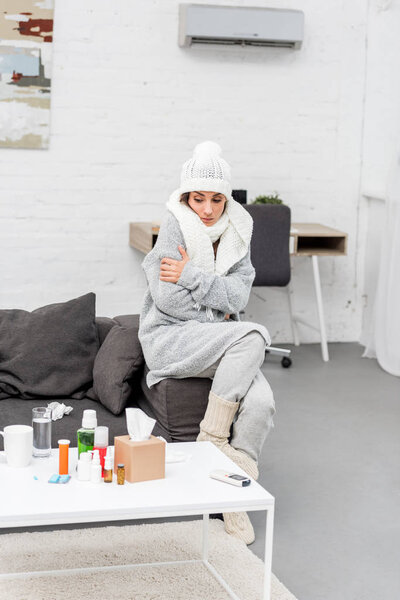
x=317, y=285
x=205, y=536
x=269, y=534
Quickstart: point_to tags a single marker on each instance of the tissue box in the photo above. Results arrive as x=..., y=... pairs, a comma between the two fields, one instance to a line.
x=143, y=460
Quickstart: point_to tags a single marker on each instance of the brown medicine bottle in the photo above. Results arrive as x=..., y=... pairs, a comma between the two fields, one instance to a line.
x=121, y=474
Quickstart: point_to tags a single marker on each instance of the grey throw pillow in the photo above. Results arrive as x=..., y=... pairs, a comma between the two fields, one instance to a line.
x=50, y=351
x=119, y=359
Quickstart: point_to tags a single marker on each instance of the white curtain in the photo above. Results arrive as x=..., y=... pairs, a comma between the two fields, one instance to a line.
x=384, y=337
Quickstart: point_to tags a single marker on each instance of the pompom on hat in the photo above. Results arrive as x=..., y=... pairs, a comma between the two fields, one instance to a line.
x=206, y=171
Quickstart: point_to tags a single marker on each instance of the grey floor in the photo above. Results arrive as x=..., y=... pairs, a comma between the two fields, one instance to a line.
x=332, y=463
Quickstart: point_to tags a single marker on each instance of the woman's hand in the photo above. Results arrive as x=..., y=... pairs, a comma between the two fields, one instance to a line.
x=170, y=269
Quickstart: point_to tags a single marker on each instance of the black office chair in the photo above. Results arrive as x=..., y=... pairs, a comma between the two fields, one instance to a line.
x=270, y=253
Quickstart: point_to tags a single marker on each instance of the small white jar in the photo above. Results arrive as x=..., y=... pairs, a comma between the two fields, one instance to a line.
x=85, y=466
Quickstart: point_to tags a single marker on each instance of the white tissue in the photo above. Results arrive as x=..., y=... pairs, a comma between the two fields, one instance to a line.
x=139, y=424
x=175, y=457
x=58, y=410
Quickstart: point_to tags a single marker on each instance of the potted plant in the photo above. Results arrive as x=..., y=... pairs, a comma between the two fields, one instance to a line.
x=270, y=199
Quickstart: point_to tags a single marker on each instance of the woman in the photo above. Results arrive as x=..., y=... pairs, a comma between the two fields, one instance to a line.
x=199, y=278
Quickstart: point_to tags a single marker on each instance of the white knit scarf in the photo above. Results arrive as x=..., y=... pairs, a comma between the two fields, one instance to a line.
x=215, y=231
x=234, y=229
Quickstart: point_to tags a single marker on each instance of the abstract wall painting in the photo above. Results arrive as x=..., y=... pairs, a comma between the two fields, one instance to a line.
x=26, y=36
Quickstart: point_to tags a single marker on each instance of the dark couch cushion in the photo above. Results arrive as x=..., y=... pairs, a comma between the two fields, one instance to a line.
x=104, y=326
x=178, y=405
x=50, y=351
x=128, y=320
x=117, y=362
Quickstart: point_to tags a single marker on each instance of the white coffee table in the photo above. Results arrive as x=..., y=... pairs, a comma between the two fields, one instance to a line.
x=186, y=490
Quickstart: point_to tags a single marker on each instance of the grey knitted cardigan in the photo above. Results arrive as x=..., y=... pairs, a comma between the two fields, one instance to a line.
x=178, y=340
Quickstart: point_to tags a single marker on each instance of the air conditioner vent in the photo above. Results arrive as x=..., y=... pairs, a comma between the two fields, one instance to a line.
x=243, y=42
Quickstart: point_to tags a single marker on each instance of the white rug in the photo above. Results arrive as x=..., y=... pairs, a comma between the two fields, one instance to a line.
x=132, y=544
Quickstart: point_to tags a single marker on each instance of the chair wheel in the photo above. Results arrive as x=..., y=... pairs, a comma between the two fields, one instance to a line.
x=286, y=362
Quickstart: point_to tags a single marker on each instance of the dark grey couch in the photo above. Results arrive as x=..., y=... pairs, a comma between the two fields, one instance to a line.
x=178, y=405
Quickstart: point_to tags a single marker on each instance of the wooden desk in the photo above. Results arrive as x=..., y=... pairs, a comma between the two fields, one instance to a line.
x=314, y=239
x=306, y=239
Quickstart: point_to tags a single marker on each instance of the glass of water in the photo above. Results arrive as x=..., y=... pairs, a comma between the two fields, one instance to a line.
x=41, y=423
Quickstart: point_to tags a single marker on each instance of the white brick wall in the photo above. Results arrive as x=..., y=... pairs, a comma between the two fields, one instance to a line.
x=128, y=106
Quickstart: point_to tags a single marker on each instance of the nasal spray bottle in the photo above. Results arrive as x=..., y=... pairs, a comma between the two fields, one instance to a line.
x=95, y=471
x=86, y=433
x=108, y=466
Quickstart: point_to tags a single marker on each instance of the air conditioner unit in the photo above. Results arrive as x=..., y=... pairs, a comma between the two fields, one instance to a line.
x=210, y=24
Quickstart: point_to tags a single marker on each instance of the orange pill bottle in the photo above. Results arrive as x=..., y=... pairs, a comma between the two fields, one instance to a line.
x=63, y=450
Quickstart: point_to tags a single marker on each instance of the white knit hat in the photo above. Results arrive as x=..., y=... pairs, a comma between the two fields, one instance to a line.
x=206, y=171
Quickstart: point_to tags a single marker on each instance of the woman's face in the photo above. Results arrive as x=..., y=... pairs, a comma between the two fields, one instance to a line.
x=208, y=205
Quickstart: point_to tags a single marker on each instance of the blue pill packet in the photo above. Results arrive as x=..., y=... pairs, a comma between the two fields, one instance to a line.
x=54, y=479
x=64, y=478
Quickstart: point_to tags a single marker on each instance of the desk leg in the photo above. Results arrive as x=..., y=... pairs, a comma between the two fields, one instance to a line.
x=317, y=285
x=269, y=534
x=295, y=331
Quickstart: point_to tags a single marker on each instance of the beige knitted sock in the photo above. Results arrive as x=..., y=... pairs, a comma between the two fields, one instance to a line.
x=239, y=525
x=243, y=460
x=217, y=420
x=215, y=428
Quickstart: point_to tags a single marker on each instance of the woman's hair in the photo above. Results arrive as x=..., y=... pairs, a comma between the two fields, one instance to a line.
x=185, y=199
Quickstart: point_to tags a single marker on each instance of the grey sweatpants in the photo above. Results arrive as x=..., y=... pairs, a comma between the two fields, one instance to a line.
x=237, y=377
